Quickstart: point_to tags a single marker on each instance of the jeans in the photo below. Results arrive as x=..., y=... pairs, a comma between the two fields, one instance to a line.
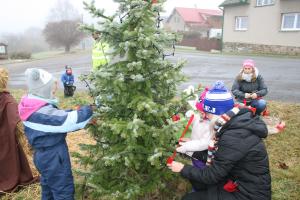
x=259, y=104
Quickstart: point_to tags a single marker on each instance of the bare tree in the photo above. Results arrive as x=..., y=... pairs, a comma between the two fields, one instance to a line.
x=63, y=34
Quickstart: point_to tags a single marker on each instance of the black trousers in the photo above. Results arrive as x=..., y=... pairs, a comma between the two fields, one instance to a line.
x=202, y=195
x=69, y=90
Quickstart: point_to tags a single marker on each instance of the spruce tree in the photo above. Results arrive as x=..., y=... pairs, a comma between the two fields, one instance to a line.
x=134, y=131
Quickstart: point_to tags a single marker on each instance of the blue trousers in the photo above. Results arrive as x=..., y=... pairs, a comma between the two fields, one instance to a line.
x=259, y=104
x=56, y=176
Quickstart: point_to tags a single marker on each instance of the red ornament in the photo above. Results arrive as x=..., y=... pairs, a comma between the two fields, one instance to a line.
x=175, y=118
x=266, y=113
x=280, y=126
x=170, y=160
x=153, y=1
x=252, y=109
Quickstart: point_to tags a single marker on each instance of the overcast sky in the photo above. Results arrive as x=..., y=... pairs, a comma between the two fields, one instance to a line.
x=18, y=15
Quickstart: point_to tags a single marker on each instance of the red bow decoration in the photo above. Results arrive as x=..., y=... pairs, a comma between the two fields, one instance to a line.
x=153, y=1
x=280, y=126
x=230, y=186
x=171, y=158
x=252, y=109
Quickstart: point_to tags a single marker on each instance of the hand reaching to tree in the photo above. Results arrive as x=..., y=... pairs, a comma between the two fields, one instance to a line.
x=185, y=139
x=175, y=166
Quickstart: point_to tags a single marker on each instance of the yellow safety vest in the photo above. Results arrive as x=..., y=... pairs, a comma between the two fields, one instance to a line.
x=98, y=56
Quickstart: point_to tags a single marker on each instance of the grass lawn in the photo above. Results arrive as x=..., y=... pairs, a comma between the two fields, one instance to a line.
x=283, y=149
x=47, y=54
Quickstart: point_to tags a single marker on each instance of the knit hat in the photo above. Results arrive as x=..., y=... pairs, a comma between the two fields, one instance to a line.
x=248, y=62
x=40, y=82
x=218, y=100
x=68, y=70
x=3, y=79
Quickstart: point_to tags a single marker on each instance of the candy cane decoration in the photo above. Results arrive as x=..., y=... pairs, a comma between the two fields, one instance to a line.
x=171, y=158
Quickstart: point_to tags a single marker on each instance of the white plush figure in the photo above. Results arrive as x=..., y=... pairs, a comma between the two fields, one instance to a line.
x=201, y=134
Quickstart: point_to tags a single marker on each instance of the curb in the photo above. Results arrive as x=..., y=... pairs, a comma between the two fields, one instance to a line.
x=34, y=59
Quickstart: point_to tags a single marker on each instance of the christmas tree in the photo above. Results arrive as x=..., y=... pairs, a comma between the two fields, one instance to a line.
x=134, y=131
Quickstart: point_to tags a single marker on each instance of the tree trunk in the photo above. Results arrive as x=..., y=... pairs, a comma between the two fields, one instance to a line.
x=67, y=48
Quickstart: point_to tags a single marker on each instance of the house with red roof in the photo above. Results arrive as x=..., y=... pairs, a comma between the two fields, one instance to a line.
x=194, y=20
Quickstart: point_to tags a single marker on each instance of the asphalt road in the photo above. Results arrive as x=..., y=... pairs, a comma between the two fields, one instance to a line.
x=282, y=75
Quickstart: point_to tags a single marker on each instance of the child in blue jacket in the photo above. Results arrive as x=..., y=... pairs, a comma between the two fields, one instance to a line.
x=46, y=127
x=67, y=79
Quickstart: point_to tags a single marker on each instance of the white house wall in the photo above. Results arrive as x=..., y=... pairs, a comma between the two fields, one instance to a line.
x=264, y=24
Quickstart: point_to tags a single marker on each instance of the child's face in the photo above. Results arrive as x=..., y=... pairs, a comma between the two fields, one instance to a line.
x=69, y=71
x=208, y=115
x=202, y=114
x=248, y=69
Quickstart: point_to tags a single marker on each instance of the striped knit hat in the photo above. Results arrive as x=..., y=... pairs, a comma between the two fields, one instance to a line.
x=218, y=100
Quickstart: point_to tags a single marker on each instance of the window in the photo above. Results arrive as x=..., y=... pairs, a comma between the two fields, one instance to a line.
x=290, y=21
x=241, y=23
x=264, y=2
x=2, y=50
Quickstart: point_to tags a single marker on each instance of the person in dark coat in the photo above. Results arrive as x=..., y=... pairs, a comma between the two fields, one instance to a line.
x=67, y=79
x=14, y=167
x=237, y=160
x=249, y=87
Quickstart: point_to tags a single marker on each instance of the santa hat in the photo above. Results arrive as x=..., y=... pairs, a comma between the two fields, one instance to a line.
x=199, y=103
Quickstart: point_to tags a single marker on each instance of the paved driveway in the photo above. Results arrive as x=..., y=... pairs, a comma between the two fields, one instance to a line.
x=282, y=75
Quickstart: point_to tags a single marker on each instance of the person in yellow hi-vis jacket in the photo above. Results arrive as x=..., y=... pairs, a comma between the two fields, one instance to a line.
x=99, y=57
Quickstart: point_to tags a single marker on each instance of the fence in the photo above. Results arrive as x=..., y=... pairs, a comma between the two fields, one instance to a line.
x=203, y=44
